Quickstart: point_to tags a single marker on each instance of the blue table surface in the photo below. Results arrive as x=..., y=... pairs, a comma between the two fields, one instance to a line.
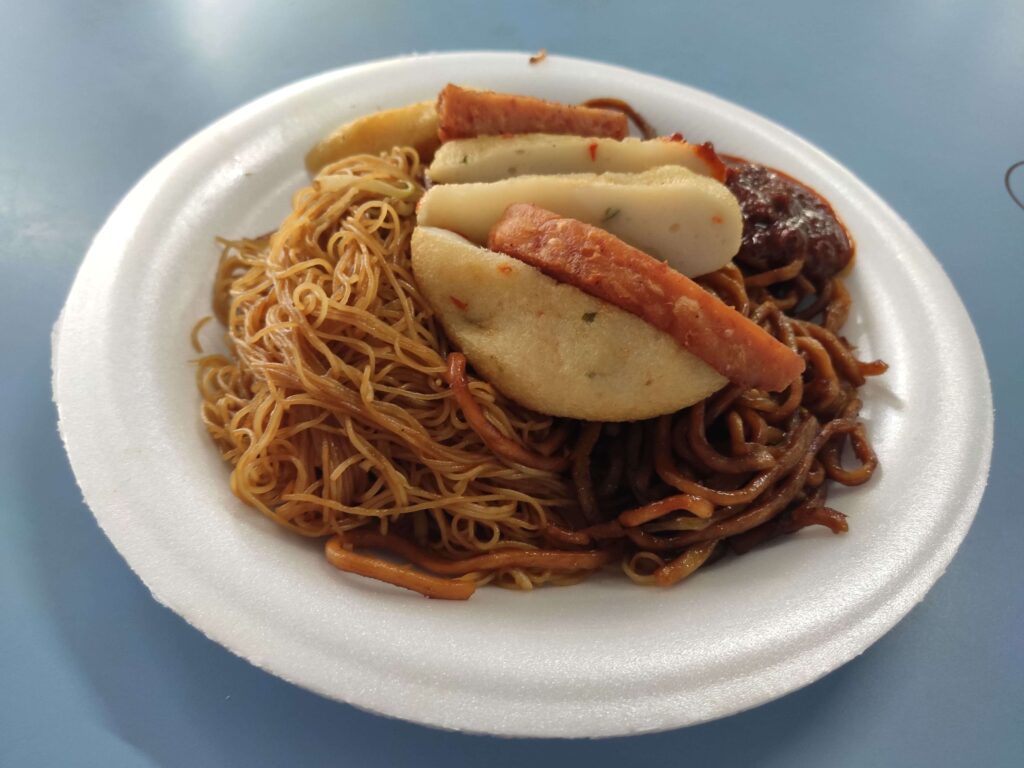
x=923, y=100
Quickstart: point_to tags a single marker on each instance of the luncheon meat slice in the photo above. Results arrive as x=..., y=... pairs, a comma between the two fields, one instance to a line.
x=605, y=267
x=465, y=113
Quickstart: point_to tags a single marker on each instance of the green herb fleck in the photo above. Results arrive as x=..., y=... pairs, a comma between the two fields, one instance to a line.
x=465, y=159
x=591, y=374
x=588, y=317
x=609, y=214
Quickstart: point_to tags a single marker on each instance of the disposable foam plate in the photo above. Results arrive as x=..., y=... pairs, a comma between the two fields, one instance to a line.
x=598, y=659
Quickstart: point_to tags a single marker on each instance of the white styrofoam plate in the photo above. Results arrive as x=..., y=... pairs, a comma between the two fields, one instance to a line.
x=598, y=659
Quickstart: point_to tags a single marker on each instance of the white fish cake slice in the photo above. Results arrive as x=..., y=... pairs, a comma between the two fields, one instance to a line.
x=691, y=221
x=414, y=125
x=548, y=345
x=492, y=158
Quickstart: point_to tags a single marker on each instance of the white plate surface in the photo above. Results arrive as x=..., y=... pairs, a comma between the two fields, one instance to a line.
x=598, y=659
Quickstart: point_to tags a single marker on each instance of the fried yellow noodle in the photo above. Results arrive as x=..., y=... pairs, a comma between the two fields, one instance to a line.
x=345, y=416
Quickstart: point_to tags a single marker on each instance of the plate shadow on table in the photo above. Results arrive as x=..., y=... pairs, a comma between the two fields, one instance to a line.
x=140, y=659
